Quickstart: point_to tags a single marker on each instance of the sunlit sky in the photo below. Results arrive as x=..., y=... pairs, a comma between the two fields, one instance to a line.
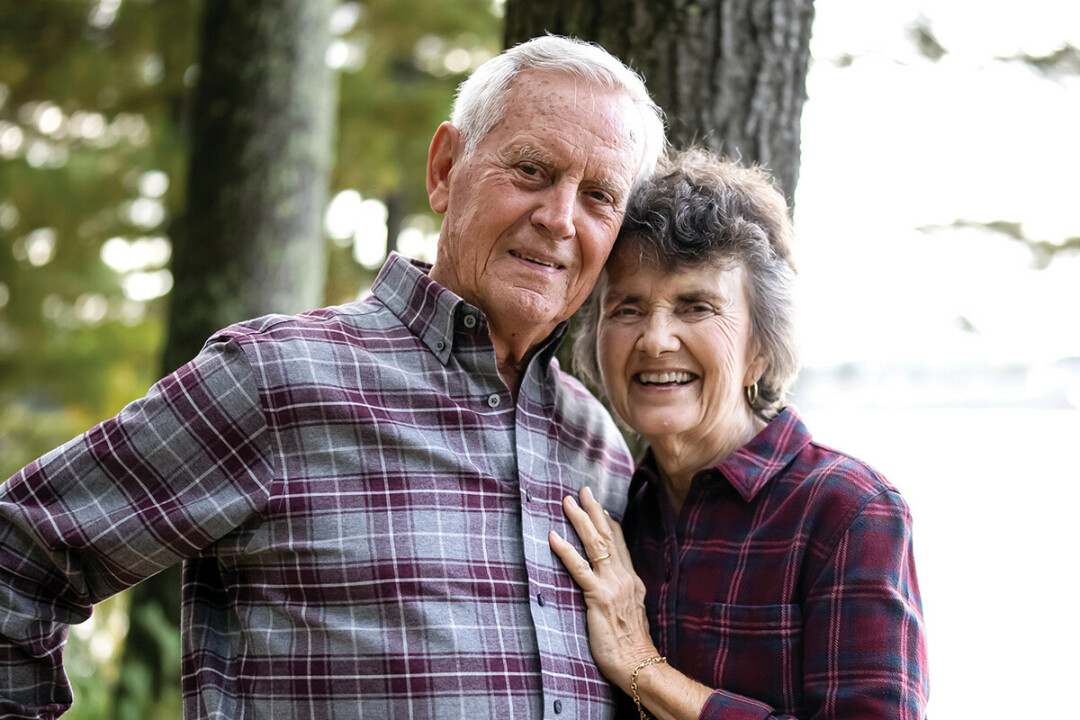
x=895, y=142
x=895, y=145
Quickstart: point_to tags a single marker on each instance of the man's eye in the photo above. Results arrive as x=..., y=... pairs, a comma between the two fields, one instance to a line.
x=530, y=169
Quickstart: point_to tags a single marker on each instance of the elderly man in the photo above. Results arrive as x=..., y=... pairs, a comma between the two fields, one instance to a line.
x=361, y=495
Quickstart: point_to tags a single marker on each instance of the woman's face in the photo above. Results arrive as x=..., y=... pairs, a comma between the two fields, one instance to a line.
x=675, y=349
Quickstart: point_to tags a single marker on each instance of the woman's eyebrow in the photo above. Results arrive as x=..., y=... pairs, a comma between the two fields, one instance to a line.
x=617, y=297
x=700, y=295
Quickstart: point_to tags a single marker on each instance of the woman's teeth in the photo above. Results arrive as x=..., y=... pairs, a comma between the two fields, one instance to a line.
x=665, y=378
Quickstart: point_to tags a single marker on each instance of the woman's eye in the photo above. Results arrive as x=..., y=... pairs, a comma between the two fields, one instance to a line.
x=626, y=312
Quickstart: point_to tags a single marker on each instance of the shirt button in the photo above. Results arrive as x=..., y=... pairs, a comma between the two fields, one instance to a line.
x=558, y=706
x=493, y=401
x=540, y=599
x=440, y=345
x=528, y=495
x=470, y=321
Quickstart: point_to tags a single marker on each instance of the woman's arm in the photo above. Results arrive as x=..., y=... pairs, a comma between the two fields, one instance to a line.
x=864, y=644
x=618, y=628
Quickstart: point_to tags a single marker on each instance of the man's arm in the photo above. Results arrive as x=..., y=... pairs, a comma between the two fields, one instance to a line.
x=165, y=478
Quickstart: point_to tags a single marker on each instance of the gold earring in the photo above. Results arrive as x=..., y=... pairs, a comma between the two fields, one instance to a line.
x=751, y=393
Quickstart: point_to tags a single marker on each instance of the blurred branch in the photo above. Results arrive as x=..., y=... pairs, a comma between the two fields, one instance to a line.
x=1044, y=251
x=921, y=34
x=1063, y=61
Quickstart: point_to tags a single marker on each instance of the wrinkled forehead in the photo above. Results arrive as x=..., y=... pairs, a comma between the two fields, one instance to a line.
x=606, y=110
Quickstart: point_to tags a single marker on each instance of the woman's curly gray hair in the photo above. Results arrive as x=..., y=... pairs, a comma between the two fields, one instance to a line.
x=699, y=208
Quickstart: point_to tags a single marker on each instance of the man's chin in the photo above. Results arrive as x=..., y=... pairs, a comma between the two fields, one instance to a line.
x=526, y=311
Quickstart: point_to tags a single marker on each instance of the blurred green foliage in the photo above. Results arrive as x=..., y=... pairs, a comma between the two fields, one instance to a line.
x=89, y=105
x=93, y=158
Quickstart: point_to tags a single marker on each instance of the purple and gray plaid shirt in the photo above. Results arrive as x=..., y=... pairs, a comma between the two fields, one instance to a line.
x=786, y=582
x=363, y=514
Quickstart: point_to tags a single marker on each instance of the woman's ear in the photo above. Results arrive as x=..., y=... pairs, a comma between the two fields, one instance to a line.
x=756, y=367
x=442, y=154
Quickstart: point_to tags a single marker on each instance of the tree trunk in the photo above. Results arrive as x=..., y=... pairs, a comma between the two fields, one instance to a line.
x=730, y=74
x=249, y=242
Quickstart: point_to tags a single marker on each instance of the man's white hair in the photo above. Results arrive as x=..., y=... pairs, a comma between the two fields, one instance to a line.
x=481, y=99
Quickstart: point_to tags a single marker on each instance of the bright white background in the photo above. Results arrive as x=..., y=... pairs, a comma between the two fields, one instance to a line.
x=952, y=342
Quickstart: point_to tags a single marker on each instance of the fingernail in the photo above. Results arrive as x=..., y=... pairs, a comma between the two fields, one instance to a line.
x=588, y=490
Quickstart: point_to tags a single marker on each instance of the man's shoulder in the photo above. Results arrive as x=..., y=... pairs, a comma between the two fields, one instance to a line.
x=572, y=395
x=327, y=324
x=580, y=412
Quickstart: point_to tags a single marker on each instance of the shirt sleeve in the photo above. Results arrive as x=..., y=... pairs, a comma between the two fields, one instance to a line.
x=164, y=479
x=864, y=642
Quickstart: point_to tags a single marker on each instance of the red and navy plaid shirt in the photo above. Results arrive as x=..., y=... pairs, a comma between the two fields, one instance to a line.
x=362, y=510
x=786, y=582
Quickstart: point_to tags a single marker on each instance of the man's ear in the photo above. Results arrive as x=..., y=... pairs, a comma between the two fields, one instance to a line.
x=443, y=153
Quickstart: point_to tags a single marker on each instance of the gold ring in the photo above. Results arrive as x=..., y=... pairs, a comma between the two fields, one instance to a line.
x=598, y=559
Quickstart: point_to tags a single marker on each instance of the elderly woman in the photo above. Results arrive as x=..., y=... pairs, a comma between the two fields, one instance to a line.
x=775, y=573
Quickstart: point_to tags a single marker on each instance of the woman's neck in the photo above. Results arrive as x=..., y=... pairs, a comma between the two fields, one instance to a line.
x=680, y=457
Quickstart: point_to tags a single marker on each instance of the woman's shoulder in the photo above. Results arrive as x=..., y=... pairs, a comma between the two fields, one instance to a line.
x=838, y=487
x=801, y=464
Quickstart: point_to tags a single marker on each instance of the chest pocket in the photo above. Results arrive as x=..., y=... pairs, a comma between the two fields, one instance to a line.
x=751, y=650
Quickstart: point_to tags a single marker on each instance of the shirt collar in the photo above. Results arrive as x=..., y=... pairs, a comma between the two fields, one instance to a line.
x=750, y=468
x=431, y=312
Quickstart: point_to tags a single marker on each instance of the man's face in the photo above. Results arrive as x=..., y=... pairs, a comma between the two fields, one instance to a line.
x=531, y=215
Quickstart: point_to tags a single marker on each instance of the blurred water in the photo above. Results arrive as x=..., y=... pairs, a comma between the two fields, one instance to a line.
x=994, y=493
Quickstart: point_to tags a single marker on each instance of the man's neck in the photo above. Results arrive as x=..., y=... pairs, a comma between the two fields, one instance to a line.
x=513, y=351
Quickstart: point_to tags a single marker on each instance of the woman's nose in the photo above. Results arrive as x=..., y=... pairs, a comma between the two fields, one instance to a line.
x=658, y=336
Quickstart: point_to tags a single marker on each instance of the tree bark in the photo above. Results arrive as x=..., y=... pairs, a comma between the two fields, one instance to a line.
x=730, y=74
x=249, y=241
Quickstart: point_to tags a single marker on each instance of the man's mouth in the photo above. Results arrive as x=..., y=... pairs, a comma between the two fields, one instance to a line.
x=538, y=261
x=665, y=378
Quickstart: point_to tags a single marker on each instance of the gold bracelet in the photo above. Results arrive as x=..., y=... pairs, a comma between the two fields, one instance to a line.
x=633, y=680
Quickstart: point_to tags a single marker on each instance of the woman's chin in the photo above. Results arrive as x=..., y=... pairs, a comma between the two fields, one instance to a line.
x=659, y=427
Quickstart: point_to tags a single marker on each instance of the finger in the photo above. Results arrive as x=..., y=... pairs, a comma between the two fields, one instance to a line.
x=577, y=566
x=605, y=526
x=619, y=546
x=595, y=544
x=599, y=516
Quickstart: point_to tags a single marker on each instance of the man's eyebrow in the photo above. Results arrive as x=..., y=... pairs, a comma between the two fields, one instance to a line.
x=613, y=187
x=529, y=153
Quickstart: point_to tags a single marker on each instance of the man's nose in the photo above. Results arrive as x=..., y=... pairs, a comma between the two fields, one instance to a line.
x=555, y=212
x=658, y=335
